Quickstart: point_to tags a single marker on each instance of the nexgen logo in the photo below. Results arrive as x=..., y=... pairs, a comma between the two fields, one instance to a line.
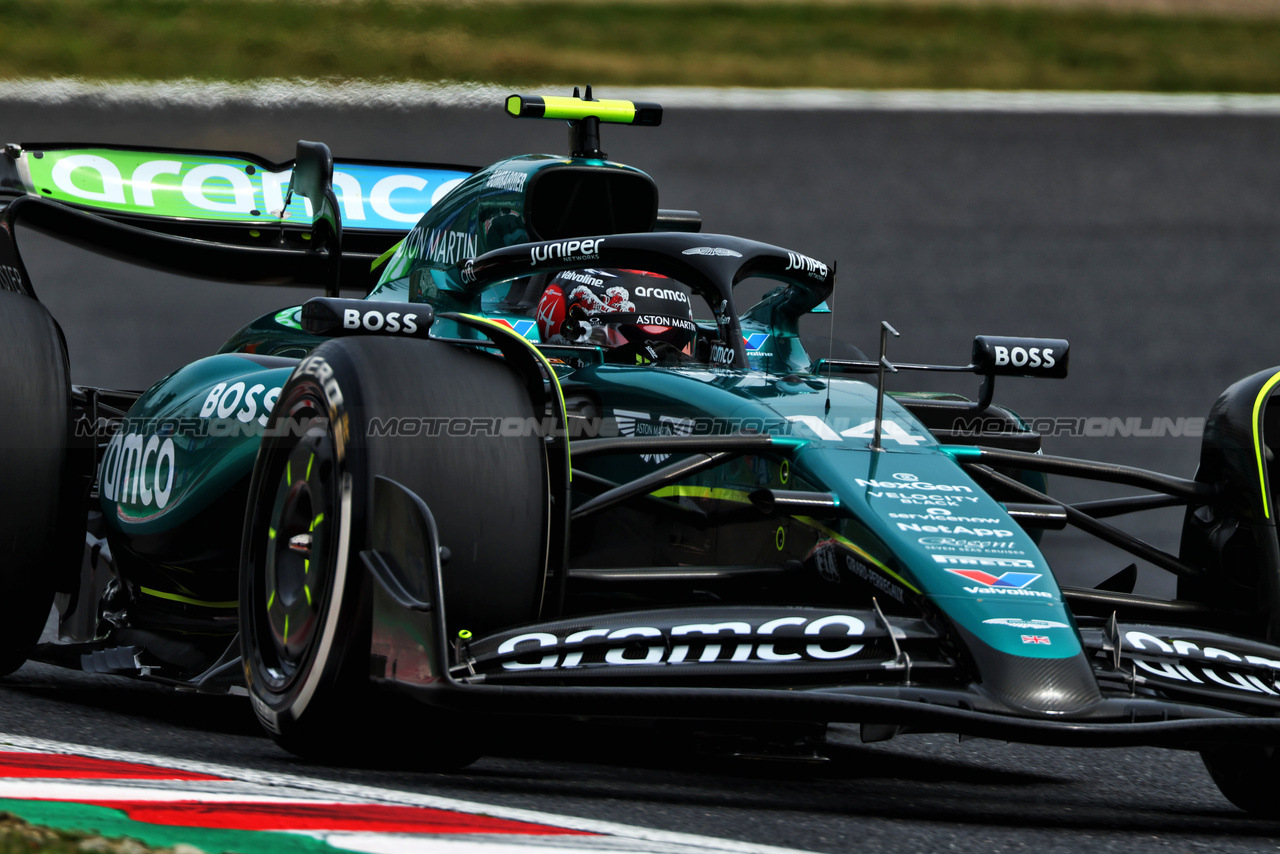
x=370, y=196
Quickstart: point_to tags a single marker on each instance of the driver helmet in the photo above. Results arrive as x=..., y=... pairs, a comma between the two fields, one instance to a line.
x=637, y=317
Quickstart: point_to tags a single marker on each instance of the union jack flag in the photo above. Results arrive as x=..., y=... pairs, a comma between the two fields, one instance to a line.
x=1034, y=639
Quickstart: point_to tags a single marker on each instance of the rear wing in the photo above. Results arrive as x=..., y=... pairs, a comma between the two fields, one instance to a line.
x=220, y=215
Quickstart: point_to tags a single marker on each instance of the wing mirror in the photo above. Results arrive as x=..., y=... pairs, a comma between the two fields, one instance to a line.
x=1003, y=356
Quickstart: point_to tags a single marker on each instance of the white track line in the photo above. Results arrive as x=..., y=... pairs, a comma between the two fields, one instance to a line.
x=348, y=791
x=280, y=93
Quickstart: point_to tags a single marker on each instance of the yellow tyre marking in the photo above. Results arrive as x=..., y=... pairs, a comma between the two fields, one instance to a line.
x=551, y=372
x=186, y=600
x=1257, y=444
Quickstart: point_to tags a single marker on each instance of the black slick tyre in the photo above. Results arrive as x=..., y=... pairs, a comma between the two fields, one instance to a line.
x=305, y=621
x=34, y=434
x=1247, y=774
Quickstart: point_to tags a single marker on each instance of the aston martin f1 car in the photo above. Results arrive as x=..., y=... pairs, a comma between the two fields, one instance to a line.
x=547, y=466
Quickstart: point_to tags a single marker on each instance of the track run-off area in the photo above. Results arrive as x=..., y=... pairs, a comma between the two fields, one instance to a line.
x=164, y=801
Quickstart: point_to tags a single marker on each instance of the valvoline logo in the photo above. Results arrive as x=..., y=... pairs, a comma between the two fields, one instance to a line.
x=755, y=340
x=1015, y=580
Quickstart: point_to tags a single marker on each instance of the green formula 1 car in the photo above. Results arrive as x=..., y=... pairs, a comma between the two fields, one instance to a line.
x=548, y=465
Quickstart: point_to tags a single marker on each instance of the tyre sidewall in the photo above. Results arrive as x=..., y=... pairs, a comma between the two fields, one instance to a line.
x=331, y=670
x=1247, y=774
x=37, y=511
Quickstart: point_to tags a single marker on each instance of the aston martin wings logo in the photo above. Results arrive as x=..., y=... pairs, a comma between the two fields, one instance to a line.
x=715, y=251
x=1017, y=623
x=635, y=423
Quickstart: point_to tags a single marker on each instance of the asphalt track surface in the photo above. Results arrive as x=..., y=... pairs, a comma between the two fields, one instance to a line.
x=1151, y=242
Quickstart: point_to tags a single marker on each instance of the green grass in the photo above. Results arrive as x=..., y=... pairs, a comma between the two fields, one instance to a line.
x=755, y=44
x=19, y=837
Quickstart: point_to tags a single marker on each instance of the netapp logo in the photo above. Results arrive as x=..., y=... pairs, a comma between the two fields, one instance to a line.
x=953, y=529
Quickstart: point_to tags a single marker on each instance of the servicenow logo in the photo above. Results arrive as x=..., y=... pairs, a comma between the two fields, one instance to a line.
x=209, y=187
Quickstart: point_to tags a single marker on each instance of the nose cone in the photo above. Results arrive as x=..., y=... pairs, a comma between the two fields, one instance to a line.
x=1048, y=686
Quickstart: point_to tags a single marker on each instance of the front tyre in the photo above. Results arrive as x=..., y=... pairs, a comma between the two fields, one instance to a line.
x=305, y=612
x=1248, y=775
x=298, y=605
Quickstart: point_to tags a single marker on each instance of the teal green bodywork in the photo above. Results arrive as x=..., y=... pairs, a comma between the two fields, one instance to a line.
x=888, y=515
x=213, y=412
x=912, y=514
x=486, y=212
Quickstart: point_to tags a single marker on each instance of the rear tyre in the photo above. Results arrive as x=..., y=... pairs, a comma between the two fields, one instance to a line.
x=34, y=430
x=305, y=613
x=1248, y=775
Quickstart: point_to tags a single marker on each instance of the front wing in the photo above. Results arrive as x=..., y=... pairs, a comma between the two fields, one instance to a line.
x=1159, y=685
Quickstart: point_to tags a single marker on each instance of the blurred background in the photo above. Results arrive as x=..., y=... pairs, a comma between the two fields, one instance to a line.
x=1102, y=45
x=1144, y=228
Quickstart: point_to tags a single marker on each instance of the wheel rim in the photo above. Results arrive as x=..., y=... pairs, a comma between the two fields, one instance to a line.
x=294, y=584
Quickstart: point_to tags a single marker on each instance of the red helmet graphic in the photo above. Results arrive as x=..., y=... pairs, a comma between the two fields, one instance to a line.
x=631, y=314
